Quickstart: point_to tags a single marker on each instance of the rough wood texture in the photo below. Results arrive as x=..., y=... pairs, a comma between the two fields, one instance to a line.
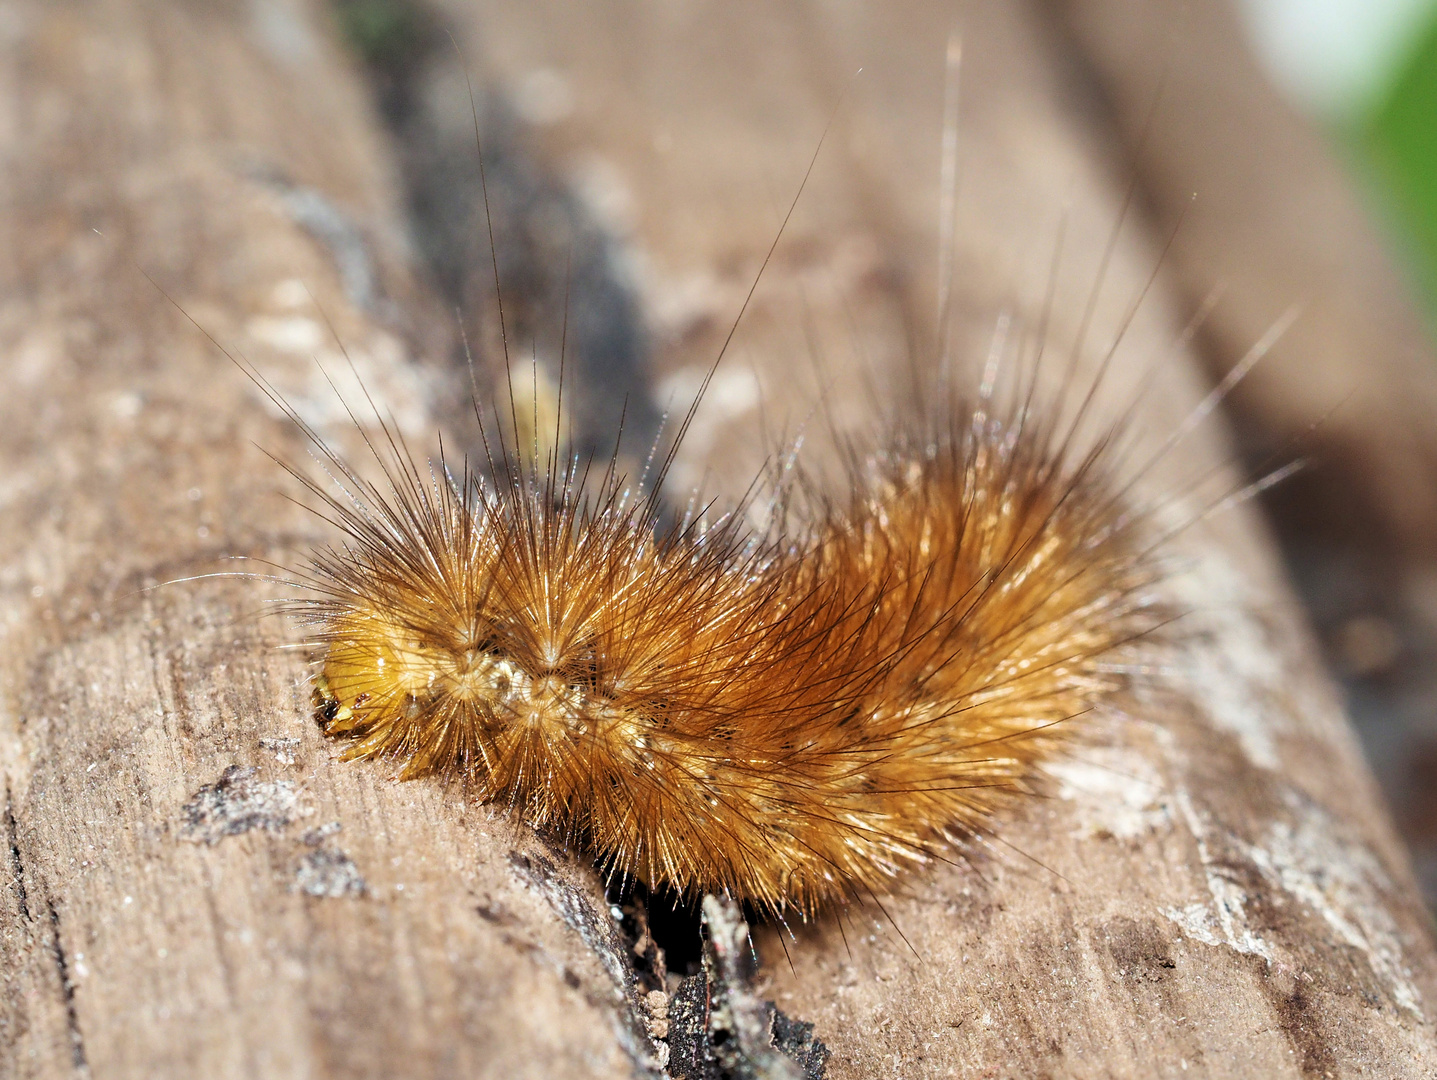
x=1270, y=215
x=1222, y=893
x=199, y=140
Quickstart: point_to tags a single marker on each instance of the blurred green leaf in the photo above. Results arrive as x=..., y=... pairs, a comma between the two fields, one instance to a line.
x=385, y=33
x=1400, y=142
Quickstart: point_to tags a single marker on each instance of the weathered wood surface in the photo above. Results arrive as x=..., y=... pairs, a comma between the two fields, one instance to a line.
x=1225, y=895
x=1270, y=215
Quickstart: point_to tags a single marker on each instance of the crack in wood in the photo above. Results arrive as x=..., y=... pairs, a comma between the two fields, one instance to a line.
x=67, y=986
x=596, y=930
x=17, y=862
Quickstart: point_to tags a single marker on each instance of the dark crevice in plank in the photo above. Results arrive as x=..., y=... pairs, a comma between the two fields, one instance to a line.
x=567, y=293
x=17, y=863
x=67, y=985
x=602, y=938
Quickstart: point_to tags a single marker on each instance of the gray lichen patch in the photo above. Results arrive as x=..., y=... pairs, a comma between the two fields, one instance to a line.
x=328, y=872
x=236, y=803
x=283, y=749
x=316, y=836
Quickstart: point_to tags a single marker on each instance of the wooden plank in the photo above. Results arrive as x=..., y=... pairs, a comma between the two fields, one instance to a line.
x=1270, y=213
x=1272, y=217
x=1223, y=893
x=194, y=143
x=1196, y=856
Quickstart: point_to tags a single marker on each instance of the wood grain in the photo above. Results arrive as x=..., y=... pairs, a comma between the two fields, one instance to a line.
x=1271, y=214
x=1212, y=888
x=175, y=140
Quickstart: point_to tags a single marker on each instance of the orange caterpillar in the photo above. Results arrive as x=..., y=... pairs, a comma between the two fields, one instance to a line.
x=792, y=718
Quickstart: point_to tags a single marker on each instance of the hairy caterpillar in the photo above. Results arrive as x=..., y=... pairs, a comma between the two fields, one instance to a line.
x=791, y=719
x=791, y=715
x=385, y=969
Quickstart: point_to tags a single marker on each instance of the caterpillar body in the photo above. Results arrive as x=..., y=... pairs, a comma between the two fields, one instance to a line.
x=792, y=717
